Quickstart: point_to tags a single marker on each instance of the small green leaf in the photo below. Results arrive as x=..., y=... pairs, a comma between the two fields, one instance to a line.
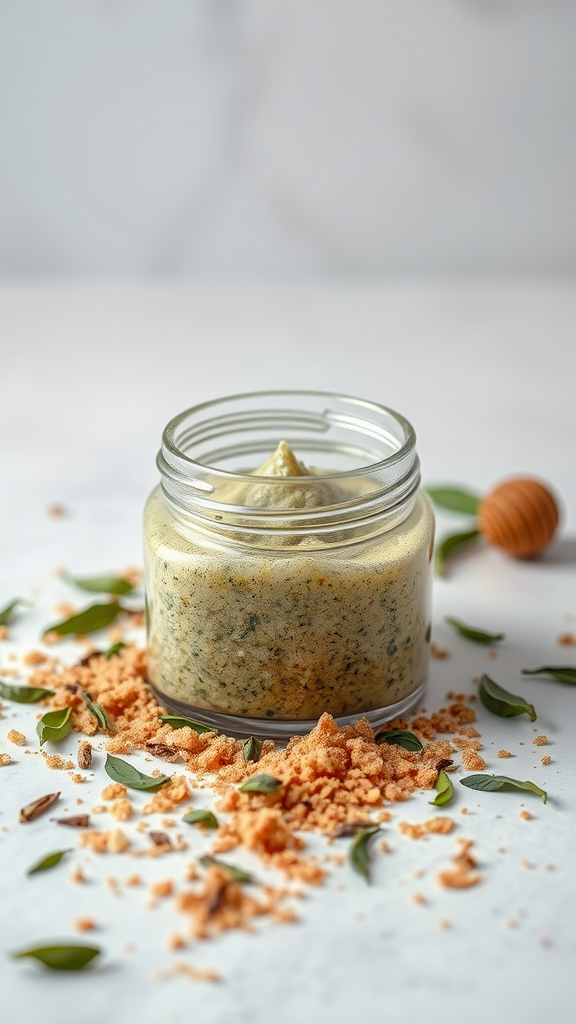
x=252, y=748
x=24, y=694
x=562, y=673
x=400, y=738
x=60, y=958
x=178, y=722
x=96, y=617
x=8, y=611
x=444, y=790
x=491, y=783
x=128, y=775
x=359, y=854
x=455, y=499
x=503, y=703
x=452, y=545
x=115, y=649
x=99, y=713
x=101, y=584
x=236, y=874
x=478, y=636
x=47, y=862
x=54, y=725
x=201, y=817
x=260, y=784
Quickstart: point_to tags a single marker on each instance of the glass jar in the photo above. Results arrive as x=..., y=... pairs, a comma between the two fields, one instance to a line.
x=274, y=597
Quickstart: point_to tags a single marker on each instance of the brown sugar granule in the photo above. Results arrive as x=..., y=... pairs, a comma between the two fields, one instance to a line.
x=84, y=924
x=96, y=841
x=172, y=793
x=175, y=942
x=462, y=875
x=194, y=973
x=65, y=609
x=437, y=826
x=440, y=653
x=162, y=889
x=419, y=899
x=114, y=791
x=444, y=923
x=472, y=761
x=16, y=737
x=34, y=658
x=51, y=637
x=5, y=759
x=566, y=640
x=121, y=810
x=546, y=760
x=4, y=632
x=56, y=511
x=84, y=756
x=78, y=876
x=220, y=904
x=540, y=741
x=525, y=815
x=505, y=753
x=133, y=880
x=55, y=761
x=77, y=778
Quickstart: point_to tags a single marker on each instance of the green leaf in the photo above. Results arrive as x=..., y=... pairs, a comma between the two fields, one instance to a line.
x=562, y=673
x=478, y=636
x=47, y=862
x=54, y=725
x=8, y=611
x=115, y=649
x=128, y=775
x=503, y=703
x=452, y=545
x=252, y=748
x=236, y=874
x=491, y=783
x=24, y=694
x=444, y=790
x=60, y=958
x=101, y=584
x=455, y=499
x=96, y=617
x=260, y=784
x=201, y=817
x=400, y=738
x=178, y=722
x=359, y=854
x=99, y=713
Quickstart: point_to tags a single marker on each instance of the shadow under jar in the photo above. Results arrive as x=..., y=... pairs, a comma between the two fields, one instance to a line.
x=288, y=556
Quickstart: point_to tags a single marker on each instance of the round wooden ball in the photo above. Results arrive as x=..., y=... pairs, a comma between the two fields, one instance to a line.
x=519, y=516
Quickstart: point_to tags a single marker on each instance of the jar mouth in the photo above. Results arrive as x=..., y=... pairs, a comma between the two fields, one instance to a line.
x=364, y=455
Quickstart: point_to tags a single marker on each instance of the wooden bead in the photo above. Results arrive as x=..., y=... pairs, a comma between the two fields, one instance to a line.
x=519, y=516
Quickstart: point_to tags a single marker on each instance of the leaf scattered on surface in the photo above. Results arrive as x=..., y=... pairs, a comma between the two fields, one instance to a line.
x=260, y=784
x=236, y=874
x=7, y=612
x=562, y=673
x=444, y=790
x=359, y=854
x=251, y=749
x=24, y=694
x=503, y=703
x=178, y=722
x=96, y=617
x=478, y=636
x=206, y=819
x=60, y=958
x=454, y=544
x=50, y=861
x=54, y=725
x=115, y=649
x=38, y=807
x=128, y=775
x=455, y=499
x=400, y=738
x=491, y=783
x=98, y=711
x=101, y=584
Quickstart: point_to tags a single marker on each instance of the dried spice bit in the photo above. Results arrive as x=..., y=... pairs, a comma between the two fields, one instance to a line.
x=400, y=738
x=358, y=854
x=50, y=861
x=164, y=751
x=125, y=773
x=445, y=764
x=160, y=839
x=260, y=784
x=452, y=545
x=84, y=756
x=503, y=703
x=444, y=790
x=462, y=875
x=101, y=584
x=60, y=958
x=38, y=807
x=251, y=749
x=7, y=612
x=92, y=619
x=74, y=821
x=234, y=873
x=178, y=722
x=24, y=694
x=349, y=829
x=478, y=636
x=54, y=725
x=562, y=673
x=206, y=819
x=492, y=783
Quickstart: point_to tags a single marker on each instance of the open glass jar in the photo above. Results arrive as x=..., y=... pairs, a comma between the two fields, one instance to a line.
x=277, y=592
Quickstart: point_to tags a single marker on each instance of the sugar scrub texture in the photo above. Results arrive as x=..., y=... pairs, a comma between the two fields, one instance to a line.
x=289, y=632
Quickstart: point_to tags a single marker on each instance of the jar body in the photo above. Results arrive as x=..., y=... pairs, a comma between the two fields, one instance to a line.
x=261, y=641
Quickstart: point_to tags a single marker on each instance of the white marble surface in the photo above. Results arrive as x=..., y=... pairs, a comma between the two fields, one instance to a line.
x=246, y=137
x=89, y=377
